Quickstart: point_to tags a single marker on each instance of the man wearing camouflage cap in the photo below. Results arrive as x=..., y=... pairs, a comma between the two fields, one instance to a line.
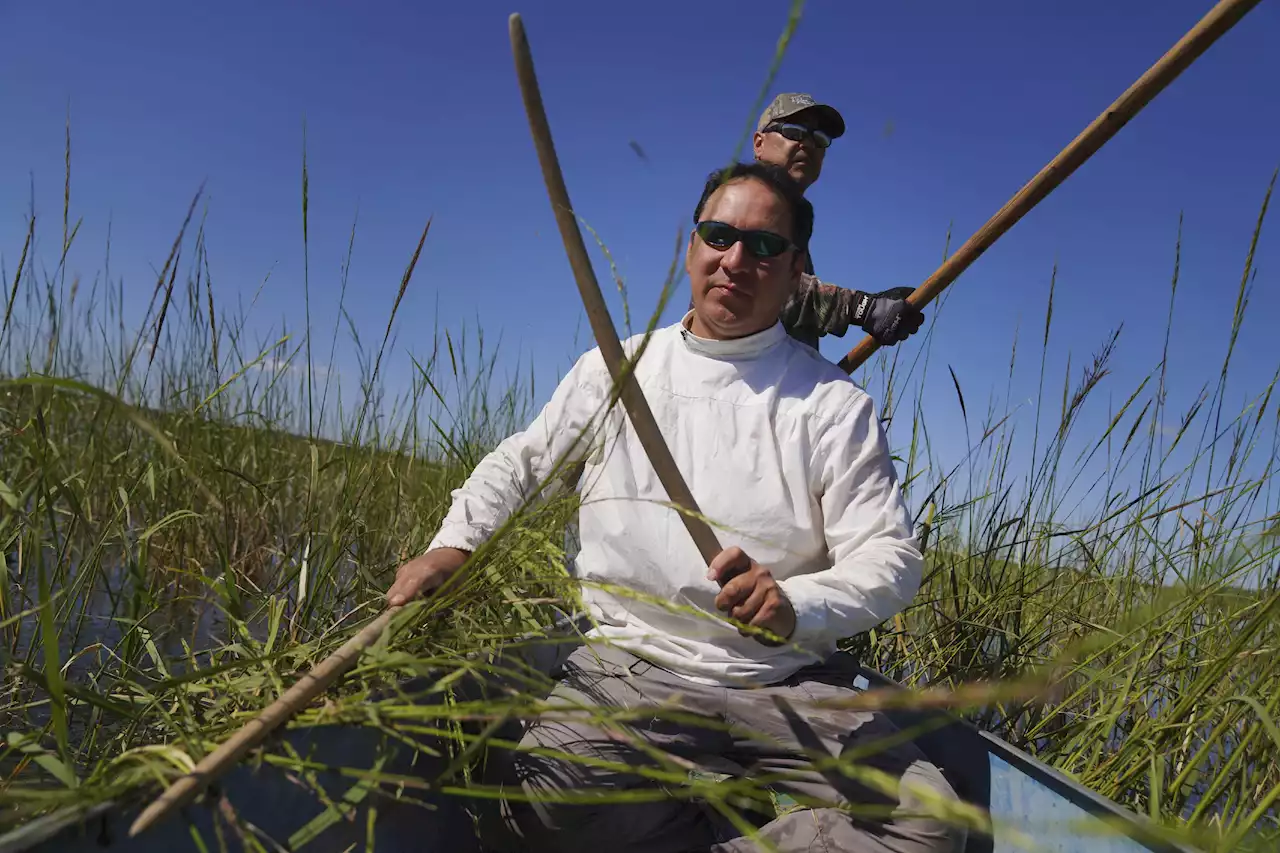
x=794, y=132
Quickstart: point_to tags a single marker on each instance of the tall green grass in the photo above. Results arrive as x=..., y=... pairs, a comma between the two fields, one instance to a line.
x=189, y=518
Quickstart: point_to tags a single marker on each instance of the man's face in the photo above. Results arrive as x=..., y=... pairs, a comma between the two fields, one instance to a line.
x=736, y=293
x=803, y=160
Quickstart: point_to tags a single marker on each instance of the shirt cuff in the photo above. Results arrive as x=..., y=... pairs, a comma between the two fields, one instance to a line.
x=811, y=616
x=458, y=536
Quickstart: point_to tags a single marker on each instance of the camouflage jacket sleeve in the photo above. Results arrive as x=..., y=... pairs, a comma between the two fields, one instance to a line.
x=817, y=309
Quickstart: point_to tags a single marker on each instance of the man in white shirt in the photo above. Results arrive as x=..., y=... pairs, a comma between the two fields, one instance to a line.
x=786, y=457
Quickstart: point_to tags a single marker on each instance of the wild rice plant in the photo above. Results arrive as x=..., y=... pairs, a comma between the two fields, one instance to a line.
x=190, y=519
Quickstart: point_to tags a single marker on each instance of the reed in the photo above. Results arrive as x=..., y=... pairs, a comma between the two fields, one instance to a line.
x=189, y=519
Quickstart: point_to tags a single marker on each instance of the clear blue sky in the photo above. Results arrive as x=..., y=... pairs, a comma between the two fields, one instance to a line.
x=412, y=111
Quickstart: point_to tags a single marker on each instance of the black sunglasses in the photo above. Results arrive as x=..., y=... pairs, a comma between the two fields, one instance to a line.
x=762, y=244
x=799, y=133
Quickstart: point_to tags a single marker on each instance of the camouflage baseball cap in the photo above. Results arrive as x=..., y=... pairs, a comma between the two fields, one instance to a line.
x=790, y=103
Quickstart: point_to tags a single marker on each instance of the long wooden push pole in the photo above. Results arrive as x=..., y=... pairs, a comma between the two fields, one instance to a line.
x=1211, y=27
x=1220, y=19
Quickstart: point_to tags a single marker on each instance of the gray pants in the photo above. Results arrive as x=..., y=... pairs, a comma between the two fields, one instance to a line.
x=771, y=731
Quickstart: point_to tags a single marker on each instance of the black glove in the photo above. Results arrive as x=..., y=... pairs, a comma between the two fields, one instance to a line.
x=886, y=316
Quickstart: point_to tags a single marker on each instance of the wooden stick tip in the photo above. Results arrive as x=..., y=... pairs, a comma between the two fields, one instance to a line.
x=140, y=823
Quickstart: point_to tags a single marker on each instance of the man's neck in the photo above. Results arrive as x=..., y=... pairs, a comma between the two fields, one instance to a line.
x=691, y=324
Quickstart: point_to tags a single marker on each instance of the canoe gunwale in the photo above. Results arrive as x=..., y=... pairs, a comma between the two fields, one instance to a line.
x=1137, y=826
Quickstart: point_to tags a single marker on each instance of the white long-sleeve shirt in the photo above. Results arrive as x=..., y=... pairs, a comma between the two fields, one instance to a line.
x=784, y=455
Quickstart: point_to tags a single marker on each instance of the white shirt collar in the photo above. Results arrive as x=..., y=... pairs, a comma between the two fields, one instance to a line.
x=746, y=347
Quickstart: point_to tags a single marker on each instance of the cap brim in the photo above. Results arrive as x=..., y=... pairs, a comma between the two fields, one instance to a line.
x=828, y=119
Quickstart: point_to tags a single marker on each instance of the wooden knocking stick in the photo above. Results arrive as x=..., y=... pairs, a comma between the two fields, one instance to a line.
x=186, y=788
x=633, y=400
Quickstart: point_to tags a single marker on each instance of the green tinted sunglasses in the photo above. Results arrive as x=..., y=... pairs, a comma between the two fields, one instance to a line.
x=762, y=244
x=799, y=133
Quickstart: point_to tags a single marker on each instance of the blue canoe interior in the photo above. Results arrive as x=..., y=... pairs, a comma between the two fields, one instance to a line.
x=1031, y=806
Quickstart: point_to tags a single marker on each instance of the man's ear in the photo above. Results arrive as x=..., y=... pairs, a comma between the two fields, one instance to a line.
x=757, y=142
x=798, y=264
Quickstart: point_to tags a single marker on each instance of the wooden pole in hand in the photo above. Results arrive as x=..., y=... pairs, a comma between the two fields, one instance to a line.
x=633, y=400
x=222, y=759
x=1211, y=27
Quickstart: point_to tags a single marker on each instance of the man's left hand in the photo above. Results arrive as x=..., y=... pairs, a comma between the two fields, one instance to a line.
x=751, y=595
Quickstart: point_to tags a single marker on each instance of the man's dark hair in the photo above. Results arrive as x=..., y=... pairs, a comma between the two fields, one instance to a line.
x=777, y=179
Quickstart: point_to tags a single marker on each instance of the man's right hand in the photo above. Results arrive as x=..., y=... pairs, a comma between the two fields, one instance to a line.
x=424, y=574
